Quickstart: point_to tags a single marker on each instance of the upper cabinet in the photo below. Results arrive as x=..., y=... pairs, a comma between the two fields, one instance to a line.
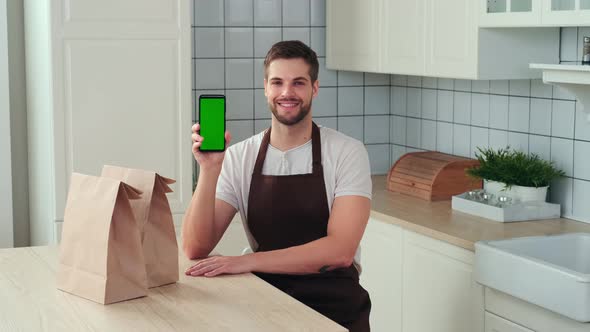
x=437, y=38
x=534, y=13
x=356, y=24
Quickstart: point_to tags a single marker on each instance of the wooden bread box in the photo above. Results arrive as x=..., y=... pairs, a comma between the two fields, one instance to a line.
x=432, y=176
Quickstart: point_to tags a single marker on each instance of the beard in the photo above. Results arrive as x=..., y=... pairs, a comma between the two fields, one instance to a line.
x=303, y=111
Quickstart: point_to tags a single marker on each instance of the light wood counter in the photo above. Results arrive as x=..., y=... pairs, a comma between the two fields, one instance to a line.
x=31, y=302
x=439, y=221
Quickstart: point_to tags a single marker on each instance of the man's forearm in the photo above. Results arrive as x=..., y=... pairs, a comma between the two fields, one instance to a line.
x=317, y=256
x=198, y=231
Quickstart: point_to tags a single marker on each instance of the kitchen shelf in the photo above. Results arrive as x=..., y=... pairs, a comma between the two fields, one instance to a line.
x=573, y=78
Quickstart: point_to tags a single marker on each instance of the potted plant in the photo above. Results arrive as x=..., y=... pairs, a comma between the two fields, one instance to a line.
x=523, y=177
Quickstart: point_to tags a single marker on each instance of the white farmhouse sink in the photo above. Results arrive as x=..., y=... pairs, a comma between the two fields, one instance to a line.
x=552, y=272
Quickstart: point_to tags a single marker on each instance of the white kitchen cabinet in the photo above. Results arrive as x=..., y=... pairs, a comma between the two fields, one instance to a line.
x=510, y=13
x=108, y=82
x=566, y=12
x=404, y=44
x=495, y=323
x=381, y=260
x=439, y=291
x=434, y=38
x=527, y=315
x=353, y=41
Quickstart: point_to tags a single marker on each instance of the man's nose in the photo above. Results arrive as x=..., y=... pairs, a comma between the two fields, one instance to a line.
x=287, y=91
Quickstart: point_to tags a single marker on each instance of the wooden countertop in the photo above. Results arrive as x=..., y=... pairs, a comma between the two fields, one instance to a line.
x=31, y=302
x=439, y=221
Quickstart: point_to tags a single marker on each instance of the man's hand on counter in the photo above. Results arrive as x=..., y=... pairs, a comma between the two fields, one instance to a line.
x=216, y=265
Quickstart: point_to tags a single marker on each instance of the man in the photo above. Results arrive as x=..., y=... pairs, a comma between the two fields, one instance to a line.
x=303, y=193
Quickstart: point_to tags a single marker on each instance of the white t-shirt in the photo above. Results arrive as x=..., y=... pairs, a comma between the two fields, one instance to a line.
x=345, y=162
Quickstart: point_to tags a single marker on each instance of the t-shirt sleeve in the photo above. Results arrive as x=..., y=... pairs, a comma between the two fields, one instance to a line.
x=226, y=185
x=353, y=173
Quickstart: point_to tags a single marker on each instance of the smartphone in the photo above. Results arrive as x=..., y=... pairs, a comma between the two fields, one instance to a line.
x=212, y=122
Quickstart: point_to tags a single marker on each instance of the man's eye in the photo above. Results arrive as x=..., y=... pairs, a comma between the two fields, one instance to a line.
x=275, y=83
x=299, y=83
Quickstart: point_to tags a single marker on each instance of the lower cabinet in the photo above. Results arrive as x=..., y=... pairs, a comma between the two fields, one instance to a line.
x=439, y=291
x=419, y=284
x=381, y=259
x=495, y=323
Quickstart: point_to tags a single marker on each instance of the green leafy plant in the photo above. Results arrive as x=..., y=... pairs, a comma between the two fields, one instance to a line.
x=513, y=168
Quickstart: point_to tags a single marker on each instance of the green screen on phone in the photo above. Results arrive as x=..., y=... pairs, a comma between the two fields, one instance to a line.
x=212, y=122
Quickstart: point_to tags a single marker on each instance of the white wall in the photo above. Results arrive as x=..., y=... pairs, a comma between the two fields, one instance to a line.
x=6, y=228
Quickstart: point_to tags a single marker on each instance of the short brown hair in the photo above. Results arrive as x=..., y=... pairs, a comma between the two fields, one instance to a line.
x=293, y=49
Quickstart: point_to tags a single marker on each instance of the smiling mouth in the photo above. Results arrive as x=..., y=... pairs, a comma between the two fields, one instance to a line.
x=288, y=104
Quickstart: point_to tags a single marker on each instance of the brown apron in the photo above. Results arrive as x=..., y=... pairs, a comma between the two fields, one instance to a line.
x=291, y=210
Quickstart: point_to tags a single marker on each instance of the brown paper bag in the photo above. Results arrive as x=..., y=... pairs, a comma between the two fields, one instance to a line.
x=154, y=218
x=101, y=257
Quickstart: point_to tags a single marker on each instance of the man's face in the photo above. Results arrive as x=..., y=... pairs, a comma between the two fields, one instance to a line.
x=289, y=90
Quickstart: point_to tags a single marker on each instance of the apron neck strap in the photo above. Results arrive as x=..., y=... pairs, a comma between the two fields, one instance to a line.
x=316, y=149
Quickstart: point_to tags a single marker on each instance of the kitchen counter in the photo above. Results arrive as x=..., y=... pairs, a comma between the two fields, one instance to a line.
x=31, y=302
x=439, y=221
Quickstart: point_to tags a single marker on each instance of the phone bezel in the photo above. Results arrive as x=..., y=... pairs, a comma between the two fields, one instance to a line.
x=214, y=96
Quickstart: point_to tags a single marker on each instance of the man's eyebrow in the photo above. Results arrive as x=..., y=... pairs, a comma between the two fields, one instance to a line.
x=300, y=78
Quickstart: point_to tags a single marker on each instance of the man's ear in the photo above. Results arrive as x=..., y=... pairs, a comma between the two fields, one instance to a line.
x=315, y=87
x=265, y=81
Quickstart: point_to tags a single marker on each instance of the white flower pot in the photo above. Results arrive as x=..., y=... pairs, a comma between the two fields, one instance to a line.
x=517, y=193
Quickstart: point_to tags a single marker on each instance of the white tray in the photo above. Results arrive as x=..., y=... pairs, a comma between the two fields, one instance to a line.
x=514, y=212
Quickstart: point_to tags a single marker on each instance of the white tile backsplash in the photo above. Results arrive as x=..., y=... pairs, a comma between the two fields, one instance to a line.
x=413, y=132
x=562, y=154
x=397, y=128
x=209, y=74
x=267, y=13
x=541, y=146
x=428, y=139
x=239, y=104
x=540, y=116
x=518, y=114
x=231, y=37
x=208, y=13
x=264, y=38
x=301, y=34
x=239, y=12
x=376, y=100
x=520, y=88
x=580, y=206
x=429, y=98
x=562, y=124
x=445, y=105
x=352, y=126
x=444, y=137
x=480, y=112
x=518, y=141
x=462, y=108
x=318, y=41
x=350, y=78
x=461, y=140
x=318, y=12
x=239, y=42
x=350, y=101
x=377, y=129
x=296, y=12
x=498, y=112
x=398, y=100
x=414, y=102
x=582, y=160
x=239, y=73
x=479, y=139
x=325, y=104
x=327, y=77
x=209, y=43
